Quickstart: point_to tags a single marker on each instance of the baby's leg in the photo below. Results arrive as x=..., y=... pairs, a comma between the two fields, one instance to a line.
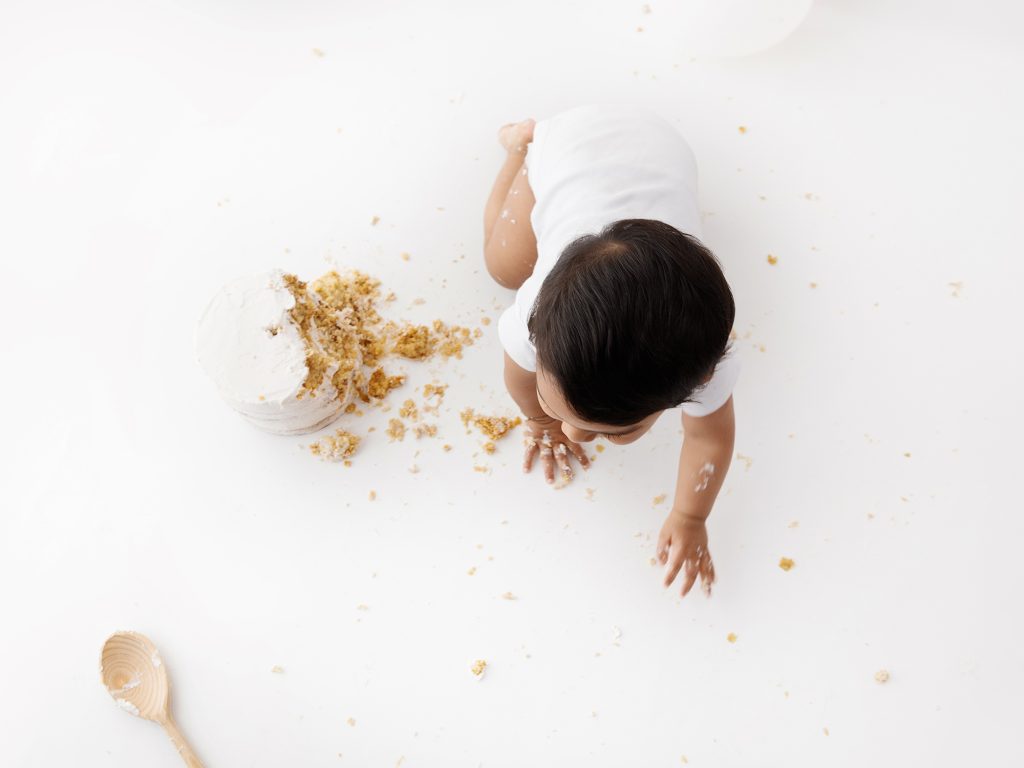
x=510, y=248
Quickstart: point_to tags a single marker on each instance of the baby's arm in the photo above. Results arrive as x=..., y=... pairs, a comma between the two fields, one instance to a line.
x=703, y=463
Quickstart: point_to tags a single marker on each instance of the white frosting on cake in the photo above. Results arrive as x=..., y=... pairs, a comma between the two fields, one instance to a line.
x=249, y=345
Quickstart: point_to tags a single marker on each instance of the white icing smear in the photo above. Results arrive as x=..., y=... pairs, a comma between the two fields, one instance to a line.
x=704, y=476
x=127, y=706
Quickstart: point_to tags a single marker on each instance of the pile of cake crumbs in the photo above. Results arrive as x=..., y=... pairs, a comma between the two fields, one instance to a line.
x=337, y=447
x=495, y=427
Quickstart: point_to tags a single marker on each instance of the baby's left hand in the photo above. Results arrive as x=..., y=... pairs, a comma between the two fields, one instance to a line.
x=683, y=541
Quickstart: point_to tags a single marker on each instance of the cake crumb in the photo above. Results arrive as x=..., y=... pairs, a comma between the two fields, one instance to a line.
x=425, y=430
x=478, y=669
x=372, y=496
x=446, y=447
x=318, y=53
x=489, y=447
x=409, y=410
x=659, y=499
x=351, y=721
x=277, y=670
x=362, y=607
x=471, y=570
x=508, y=596
x=380, y=384
x=405, y=256
x=494, y=427
x=742, y=129
x=793, y=524
x=882, y=676
x=731, y=637
x=747, y=461
x=374, y=221
x=396, y=429
x=338, y=447
x=773, y=260
x=599, y=448
x=786, y=564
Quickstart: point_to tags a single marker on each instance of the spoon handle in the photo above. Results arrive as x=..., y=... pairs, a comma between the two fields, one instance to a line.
x=178, y=740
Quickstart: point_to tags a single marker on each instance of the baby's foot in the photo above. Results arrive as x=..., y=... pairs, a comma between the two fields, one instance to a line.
x=515, y=136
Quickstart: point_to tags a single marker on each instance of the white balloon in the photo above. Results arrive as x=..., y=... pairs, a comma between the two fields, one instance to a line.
x=738, y=27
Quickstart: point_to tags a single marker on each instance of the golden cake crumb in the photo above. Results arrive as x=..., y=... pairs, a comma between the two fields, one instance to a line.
x=882, y=676
x=508, y=596
x=485, y=321
x=599, y=448
x=742, y=129
x=374, y=221
x=405, y=256
x=351, y=721
x=424, y=430
x=446, y=447
x=414, y=343
x=396, y=429
x=409, y=410
x=478, y=668
x=786, y=564
x=434, y=390
x=495, y=427
x=372, y=495
x=773, y=260
x=489, y=447
x=337, y=447
x=659, y=499
x=731, y=637
x=380, y=384
x=471, y=570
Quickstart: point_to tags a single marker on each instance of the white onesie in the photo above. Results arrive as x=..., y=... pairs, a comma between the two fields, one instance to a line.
x=592, y=166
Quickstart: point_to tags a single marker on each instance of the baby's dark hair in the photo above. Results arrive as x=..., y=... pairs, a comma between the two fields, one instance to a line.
x=632, y=321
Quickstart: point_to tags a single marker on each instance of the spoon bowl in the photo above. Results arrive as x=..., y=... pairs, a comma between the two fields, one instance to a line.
x=135, y=676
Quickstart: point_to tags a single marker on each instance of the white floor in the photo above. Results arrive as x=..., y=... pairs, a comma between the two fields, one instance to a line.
x=151, y=152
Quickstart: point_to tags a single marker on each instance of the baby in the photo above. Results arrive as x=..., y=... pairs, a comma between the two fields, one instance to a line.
x=620, y=312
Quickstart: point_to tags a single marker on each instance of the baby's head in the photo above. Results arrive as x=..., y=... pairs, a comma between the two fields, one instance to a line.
x=629, y=322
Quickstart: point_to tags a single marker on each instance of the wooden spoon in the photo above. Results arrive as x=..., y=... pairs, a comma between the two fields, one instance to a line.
x=135, y=675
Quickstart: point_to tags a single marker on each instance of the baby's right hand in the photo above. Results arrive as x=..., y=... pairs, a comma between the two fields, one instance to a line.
x=544, y=436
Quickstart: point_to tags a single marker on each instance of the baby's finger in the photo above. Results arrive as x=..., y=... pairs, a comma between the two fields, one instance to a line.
x=530, y=455
x=674, y=565
x=691, y=576
x=581, y=455
x=707, y=574
x=547, y=458
x=661, y=552
x=562, y=459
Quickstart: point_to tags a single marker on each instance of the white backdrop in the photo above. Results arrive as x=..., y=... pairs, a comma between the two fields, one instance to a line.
x=151, y=151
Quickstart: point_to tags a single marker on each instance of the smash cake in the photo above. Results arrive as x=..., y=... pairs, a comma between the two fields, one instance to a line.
x=286, y=355
x=291, y=356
